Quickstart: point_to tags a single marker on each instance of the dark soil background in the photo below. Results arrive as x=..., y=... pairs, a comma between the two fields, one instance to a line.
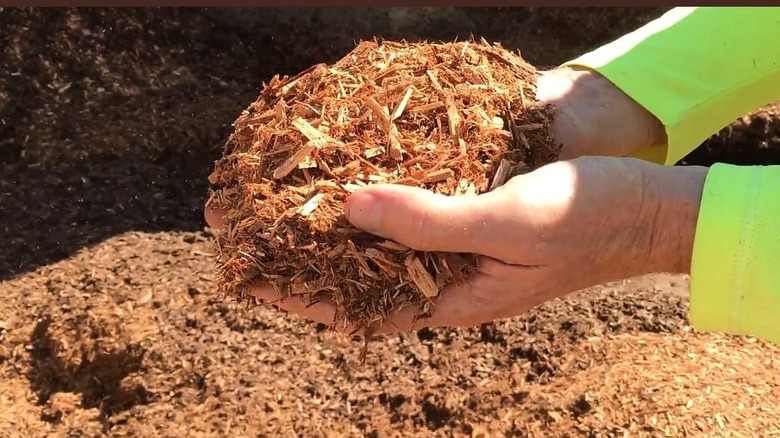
x=110, y=120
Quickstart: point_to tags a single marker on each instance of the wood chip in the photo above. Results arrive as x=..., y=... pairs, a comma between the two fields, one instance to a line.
x=311, y=205
x=421, y=277
x=399, y=110
x=438, y=176
x=502, y=174
x=453, y=117
x=296, y=158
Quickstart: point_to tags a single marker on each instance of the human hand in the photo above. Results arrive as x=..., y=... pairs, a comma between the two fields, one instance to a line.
x=594, y=116
x=545, y=234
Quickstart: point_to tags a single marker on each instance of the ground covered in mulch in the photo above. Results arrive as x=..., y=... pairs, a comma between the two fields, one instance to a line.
x=110, y=122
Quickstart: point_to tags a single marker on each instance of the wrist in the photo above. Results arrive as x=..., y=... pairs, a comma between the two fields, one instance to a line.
x=672, y=209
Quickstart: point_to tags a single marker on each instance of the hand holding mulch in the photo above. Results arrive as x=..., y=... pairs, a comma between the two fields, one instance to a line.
x=564, y=227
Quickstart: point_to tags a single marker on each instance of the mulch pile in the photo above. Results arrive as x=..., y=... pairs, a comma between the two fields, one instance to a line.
x=457, y=119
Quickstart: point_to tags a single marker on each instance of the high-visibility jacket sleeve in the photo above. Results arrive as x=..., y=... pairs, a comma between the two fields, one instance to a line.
x=735, y=276
x=697, y=70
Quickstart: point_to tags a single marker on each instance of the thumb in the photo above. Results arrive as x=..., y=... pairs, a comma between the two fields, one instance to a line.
x=423, y=220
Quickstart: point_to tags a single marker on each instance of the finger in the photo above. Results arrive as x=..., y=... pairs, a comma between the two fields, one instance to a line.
x=403, y=320
x=485, y=298
x=214, y=218
x=466, y=304
x=322, y=312
x=424, y=220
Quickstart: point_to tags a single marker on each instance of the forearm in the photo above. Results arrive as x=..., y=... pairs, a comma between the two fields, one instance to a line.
x=695, y=70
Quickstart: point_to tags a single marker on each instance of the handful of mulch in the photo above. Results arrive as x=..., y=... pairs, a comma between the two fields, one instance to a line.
x=458, y=119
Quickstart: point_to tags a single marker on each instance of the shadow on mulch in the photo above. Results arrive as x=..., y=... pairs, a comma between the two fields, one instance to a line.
x=49, y=213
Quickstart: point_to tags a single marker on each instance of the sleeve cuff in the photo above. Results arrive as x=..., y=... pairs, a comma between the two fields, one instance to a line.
x=735, y=282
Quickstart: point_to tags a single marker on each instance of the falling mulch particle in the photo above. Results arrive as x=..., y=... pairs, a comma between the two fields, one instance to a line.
x=458, y=119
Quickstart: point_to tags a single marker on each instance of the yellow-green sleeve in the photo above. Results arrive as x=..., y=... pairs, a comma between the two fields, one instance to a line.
x=735, y=275
x=697, y=70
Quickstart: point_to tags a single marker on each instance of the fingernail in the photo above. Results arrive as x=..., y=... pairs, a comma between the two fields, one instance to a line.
x=364, y=212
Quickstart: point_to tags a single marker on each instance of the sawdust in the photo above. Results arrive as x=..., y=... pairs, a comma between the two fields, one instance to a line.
x=458, y=119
